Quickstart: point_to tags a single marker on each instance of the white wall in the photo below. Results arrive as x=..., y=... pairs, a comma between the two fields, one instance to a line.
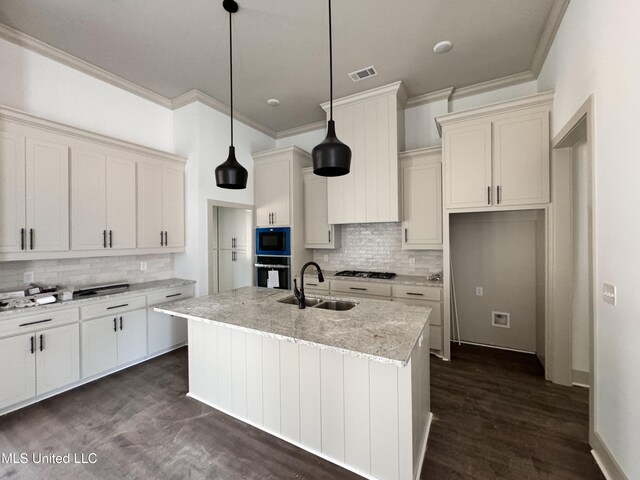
x=596, y=52
x=202, y=135
x=40, y=86
x=305, y=141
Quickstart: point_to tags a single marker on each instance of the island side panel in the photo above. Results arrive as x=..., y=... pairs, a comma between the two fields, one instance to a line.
x=420, y=401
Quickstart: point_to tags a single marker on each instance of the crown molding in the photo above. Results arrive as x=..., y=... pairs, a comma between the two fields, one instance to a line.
x=275, y=151
x=494, y=84
x=548, y=35
x=443, y=94
x=535, y=100
x=198, y=96
x=26, y=119
x=396, y=87
x=26, y=41
x=290, y=132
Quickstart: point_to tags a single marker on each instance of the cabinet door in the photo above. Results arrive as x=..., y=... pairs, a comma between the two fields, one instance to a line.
x=279, y=184
x=226, y=270
x=132, y=336
x=173, y=205
x=47, y=196
x=422, y=206
x=242, y=269
x=180, y=331
x=17, y=370
x=242, y=228
x=57, y=358
x=99, y=346
x=88, y=200
x=121, y=198
x=226, y=227
x=343, y=203
x=521, y=159
x=262, y=193
x=12, y=192
x=317, y=231
x=467, y=160
x=161, y=331
x=149, y=206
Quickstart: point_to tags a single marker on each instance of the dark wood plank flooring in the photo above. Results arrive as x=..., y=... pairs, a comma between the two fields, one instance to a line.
x=495, y=418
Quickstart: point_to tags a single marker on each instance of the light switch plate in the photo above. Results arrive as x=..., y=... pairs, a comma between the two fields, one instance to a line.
x=143, y=266
x=326, y=258
x=479, y=291
x=609, y=293
x=29, y=277
x=412, y=261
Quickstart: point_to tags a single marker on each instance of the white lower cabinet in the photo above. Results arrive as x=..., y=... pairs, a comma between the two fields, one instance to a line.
x=166, y=331
x=112, y=341
x=37, y=363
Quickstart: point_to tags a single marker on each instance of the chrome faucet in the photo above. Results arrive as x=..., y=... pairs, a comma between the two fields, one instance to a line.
x=300, y=293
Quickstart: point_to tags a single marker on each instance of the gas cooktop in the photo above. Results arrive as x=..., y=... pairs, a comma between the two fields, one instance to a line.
x=360, y=274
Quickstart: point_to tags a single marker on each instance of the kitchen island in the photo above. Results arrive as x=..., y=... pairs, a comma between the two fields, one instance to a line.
x=351, y=386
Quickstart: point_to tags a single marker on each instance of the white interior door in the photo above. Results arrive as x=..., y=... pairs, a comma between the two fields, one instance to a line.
x=47, y=196
x=121, y=201
x=422, y=206
x=150, y=225
x=12, y=192
x=160, y=331
x=99, y=346
x=17, y=369
x=88, y=200
x=132, y=336
x=173, y=205
x=57, y=357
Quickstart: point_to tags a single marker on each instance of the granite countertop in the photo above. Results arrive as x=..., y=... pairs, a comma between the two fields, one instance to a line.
x=134, y=288
x=378, y=330
x=412, y=280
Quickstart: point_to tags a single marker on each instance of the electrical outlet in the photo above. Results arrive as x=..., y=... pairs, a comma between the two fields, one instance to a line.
x=609, y=293
x=479, y=291
x=143, y=266
x=412, y=261
x=29, y=277
x=326, y=258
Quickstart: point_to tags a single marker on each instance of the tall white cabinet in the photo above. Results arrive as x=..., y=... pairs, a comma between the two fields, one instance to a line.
x=235, y=268
x=372, y=125
x=318, y=232
x=273, y=190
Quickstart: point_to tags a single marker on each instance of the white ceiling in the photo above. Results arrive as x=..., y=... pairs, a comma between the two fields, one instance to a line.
x=280, y=46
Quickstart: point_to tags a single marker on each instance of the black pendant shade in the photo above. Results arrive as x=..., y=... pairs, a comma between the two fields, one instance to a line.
x=331, y=157
x=231, y=174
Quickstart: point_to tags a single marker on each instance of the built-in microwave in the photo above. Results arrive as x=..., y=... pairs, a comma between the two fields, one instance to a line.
x=273, y=241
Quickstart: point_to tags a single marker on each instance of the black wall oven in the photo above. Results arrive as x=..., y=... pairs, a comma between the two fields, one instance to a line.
x=273, y=272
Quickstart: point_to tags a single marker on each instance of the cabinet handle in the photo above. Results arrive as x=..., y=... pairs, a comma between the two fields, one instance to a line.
x=33, y=323
x=32, y=341
x=307, y=284
x=110, y=238
x=417, y=294
x=270, y=218
x=120, y=323
x=118, y=306
x=22, y=239
x=489, y=195
x=161, y=239
x=41, y=342
x=115, y=327
x=166, y=238
x=274, y=218
x=31, y=238
x=104, y=239
x=498, y=194
x=358, y=288
x=329, y=236
x=406, y=235
x=173, y=295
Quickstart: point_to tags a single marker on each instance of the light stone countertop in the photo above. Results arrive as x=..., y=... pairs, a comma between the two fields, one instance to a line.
x=379, y=330
x=411, y=280
x=134, y=288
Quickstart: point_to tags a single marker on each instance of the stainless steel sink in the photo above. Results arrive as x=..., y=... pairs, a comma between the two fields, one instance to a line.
x=308, y=302
x=337, y=305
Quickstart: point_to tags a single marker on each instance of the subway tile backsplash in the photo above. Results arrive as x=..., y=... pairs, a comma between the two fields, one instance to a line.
x=78, y=272
x=378, y=247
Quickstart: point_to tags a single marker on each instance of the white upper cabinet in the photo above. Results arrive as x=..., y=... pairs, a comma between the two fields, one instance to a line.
x=160, y=204
x=372, y=125
x=318, y=233
x=34, y=194
x=497, y=156
x=421, y=186
x=103, y=192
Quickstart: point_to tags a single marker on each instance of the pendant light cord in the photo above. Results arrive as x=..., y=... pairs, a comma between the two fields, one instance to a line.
x=231, y=72
x=330, y=67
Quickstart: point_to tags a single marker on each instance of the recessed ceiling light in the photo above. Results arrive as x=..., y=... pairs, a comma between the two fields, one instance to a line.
x=273, y=102
x=442, y=47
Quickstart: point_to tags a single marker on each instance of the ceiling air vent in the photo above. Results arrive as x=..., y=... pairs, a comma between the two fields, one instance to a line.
x=364, y=73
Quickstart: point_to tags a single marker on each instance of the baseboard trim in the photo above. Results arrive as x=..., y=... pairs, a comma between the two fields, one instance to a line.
x=606, y=461
x=580, y=378
x=497, y=347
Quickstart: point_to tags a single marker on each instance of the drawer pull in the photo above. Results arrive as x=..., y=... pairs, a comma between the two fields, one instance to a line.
x=358, y=288
x=118, y=306
x=173, y=295
x=35, y=323
x=418, y=294
x=311, y=284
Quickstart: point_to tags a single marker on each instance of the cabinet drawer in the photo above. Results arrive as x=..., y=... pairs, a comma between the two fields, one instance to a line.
x=435, y=337
x=30, y=323
x=170, y=295
x=418, y=293
x=113, y=307
x=361, y=288
x=311, y=283
x=435, y=318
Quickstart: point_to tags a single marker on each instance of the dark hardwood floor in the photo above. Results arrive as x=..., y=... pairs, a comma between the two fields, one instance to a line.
x=495, y=417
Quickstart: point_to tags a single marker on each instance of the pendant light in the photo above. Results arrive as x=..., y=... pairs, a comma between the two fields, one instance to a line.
x=331, y=157
x=231, y=174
